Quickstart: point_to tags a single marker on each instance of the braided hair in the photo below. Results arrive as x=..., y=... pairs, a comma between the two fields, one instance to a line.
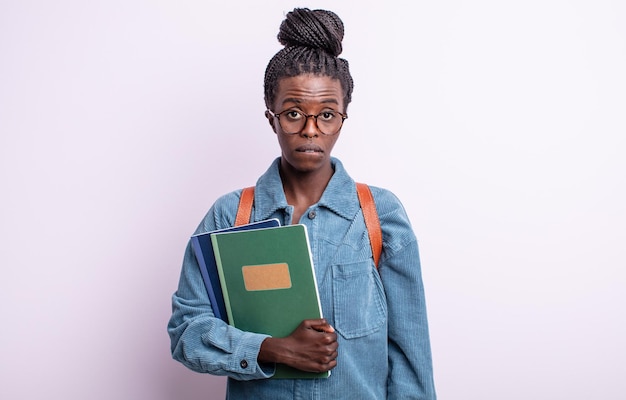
x=312, y=40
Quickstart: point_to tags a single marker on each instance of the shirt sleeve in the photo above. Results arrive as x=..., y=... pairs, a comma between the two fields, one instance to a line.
x=410, y=359
x=203, y=342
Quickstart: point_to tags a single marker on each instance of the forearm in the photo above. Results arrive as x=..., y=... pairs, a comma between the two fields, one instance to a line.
x=207, y=344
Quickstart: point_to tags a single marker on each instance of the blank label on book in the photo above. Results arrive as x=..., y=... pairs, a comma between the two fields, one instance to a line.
x=266, y=277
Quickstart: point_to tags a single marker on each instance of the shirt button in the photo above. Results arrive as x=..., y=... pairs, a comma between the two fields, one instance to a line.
x=243, y=364
x=312, y=214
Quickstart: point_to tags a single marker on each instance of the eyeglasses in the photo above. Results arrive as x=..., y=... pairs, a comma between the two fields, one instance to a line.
x=294, y=121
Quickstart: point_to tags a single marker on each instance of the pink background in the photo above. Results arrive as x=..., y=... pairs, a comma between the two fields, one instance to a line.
x=500, y=125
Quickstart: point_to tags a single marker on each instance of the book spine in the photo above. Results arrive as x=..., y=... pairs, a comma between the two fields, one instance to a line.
x=312, y=269
x=197, y=249
x=220, y=271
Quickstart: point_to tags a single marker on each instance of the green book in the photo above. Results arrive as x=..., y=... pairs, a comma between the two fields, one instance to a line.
x=268, y=283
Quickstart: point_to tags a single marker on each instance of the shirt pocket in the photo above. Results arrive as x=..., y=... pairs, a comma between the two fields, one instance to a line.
x=358, y=299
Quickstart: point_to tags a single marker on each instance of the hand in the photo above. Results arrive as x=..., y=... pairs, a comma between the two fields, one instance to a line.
x=311, y=347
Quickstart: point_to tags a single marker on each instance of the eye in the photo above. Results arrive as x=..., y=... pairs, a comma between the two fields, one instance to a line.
x=293, y=115
x=327, y=115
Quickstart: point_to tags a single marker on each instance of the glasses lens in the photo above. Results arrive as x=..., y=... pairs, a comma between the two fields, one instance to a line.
x=292, y=121
x=328, y=122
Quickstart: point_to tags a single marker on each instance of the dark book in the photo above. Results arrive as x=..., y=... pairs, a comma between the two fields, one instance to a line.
x=203, y=250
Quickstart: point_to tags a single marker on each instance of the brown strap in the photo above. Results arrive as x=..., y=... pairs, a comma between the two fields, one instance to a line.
x=245, y=206
x=371, y=220
x=372, y=223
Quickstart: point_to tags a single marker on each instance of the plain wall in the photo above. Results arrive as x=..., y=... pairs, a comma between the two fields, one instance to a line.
x=500, y=125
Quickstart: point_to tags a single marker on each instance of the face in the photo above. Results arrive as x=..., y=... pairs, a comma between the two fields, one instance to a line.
x=309, y=150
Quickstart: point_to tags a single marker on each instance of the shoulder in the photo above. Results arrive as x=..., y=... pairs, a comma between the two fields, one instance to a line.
x=387, y=203
x=394, y=221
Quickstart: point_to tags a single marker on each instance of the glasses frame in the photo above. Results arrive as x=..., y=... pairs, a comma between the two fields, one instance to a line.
x=307, y=116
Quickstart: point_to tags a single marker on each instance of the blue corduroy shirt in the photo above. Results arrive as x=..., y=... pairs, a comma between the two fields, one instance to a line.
x=379, y=314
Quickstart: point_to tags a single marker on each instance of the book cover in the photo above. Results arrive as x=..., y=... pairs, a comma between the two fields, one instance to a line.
x=268, y=282
x=203, y=250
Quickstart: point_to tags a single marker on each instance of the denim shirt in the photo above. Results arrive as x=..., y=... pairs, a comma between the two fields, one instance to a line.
x=379, y=315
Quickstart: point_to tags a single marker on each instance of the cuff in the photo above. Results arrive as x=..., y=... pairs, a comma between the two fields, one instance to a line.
x=245, y=357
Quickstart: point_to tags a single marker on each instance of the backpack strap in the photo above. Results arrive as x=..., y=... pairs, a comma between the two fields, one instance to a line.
x=245, y=206
x=371, y=220
x=366, y=200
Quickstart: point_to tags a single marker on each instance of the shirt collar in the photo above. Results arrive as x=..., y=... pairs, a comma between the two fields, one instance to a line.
x=339, y=195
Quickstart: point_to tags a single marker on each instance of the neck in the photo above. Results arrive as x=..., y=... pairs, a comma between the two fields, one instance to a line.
x=302, y=189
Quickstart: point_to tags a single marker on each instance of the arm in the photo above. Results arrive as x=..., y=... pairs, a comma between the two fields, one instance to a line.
x=204, y=343
x=410, y=360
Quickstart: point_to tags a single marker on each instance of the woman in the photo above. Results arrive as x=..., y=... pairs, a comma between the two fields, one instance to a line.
x=374, y=336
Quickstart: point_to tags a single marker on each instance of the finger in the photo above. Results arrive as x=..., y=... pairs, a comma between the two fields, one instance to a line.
x=330, y=365
x=325, y=327
x=314, y=322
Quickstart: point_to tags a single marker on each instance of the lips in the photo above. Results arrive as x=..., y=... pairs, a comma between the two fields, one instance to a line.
x=309, y=148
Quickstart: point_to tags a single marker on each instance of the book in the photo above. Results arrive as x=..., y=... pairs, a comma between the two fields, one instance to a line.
x=268, y=283
x=203, y=250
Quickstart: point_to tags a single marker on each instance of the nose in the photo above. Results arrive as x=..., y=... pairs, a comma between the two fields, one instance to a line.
x=310, y=129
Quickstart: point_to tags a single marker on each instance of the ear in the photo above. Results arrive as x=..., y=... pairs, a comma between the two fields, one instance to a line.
x=271, y=120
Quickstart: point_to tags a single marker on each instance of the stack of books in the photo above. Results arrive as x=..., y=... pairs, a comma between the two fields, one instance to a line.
x=260, y=278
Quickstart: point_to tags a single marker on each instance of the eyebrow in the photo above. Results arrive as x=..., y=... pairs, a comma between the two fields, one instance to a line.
x=298, y=101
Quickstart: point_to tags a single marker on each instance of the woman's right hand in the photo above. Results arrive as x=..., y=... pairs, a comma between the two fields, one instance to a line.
x=311, y=347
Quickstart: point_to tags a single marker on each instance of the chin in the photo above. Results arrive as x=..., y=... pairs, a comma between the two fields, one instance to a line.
x=310, y=163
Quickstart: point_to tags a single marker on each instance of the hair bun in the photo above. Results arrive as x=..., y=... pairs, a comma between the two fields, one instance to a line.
x=313, y=29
